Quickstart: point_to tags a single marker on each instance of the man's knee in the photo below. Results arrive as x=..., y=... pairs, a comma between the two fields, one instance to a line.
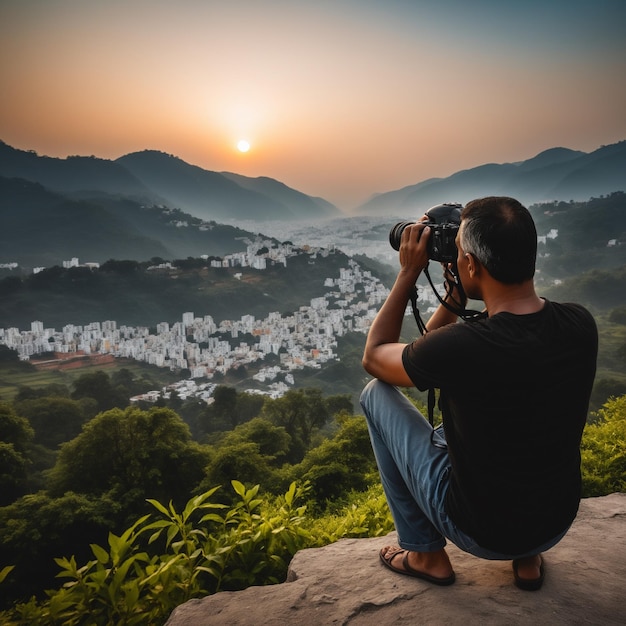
x=369, y=390
x=375, y=396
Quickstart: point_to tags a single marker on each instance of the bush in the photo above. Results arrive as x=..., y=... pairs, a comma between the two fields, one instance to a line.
x=603, y=450
x=155, y=565
x=160, y=562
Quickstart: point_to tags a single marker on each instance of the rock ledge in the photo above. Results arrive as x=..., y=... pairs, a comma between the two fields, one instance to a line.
x=344, y=583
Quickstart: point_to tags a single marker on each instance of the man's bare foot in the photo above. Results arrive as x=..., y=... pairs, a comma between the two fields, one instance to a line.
x=528, y=572
x=432, y=566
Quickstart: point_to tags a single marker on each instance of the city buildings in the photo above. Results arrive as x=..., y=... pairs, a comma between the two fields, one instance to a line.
x=306, y=338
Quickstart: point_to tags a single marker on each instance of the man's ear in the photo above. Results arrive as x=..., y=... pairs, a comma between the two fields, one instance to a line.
x=473, y=265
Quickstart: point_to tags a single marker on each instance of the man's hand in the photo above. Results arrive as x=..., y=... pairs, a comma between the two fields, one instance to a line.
x=414, y=249
x=382, y=357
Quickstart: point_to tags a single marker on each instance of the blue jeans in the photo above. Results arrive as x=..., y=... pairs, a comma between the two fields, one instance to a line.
x=414, y=470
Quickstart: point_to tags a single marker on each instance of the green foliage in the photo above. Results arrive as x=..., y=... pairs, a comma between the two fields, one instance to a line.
x=618, y=315
x=595, y=288
x=203, y=551
x=340, y=464
x=6, y=354
x=53, y=389
x=97, y=385
x=130, y=454
x=301, y=412
x=584, y=229
x=14, y=429
x=272, y=441
x=55, y=420
x=5, y=571
x=36, y=528
x=254, y=452
x=171, y=556
x=15, y=437
x=603, y=450
x=364, y=514
x=241, y=459
x=603, y=389
x=13, y=473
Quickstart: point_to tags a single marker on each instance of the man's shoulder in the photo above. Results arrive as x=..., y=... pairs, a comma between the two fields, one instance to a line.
x=571, y=310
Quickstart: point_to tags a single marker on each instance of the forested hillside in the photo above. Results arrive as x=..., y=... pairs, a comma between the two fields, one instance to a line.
x=577, y=237
x=131, y=293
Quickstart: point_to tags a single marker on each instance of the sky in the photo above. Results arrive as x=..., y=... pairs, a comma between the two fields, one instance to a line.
x=339, y=99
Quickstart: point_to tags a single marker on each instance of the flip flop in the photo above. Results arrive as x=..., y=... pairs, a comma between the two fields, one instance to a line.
x=528, y=584
x=387, y=556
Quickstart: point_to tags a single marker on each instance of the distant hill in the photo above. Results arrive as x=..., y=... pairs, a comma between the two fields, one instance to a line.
x=44, y=228
x=76, y=173
x=213, y=195
x=577, y=237
x=555, y=174
x=153, y=177
x=301, y=205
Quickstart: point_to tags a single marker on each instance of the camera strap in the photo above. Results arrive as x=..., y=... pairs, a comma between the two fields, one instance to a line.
x=423, y=330
x=458, y=309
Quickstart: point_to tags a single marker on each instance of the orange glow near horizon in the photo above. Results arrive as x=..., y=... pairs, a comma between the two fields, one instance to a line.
x=338, y=101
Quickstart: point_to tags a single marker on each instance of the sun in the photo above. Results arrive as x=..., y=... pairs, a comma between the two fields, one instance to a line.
x=243, y=145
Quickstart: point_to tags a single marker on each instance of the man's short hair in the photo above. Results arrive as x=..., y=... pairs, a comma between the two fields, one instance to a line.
x=501, y=234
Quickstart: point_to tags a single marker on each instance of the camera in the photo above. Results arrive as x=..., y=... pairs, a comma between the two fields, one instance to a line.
x=444, y=220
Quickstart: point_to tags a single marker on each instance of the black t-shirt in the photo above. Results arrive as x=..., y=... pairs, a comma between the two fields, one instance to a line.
x=514, y=396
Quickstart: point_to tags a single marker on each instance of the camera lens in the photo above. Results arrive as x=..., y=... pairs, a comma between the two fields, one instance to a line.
x=395, y=234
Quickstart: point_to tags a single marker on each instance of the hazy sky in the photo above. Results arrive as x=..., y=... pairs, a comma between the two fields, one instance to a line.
x=337, y=98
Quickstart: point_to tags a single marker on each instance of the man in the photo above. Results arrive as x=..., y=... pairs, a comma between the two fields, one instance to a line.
x=501, y=477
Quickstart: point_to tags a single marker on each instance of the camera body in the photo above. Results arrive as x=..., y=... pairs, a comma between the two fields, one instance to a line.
x=444, y=221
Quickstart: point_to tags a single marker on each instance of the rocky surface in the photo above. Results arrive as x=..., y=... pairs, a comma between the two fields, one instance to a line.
x=344, y=583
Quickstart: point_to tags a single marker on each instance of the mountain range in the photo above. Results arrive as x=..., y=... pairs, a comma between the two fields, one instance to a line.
x=555, y=174
x=151, y=204
x=153, y=177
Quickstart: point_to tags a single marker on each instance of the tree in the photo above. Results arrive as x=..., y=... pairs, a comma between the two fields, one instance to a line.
x=340, y=403
x=14, y=429
x=36, y=529
x=124, y=378
x=225, y=403
x=8, y=356
x=133, y=455
x=53, y=389
x=97, y=385
x=13, y=473
x=123, y=268
x=240, y=461
x=54, y=420
x=272, y=441
x=15, y=437
x=340, y=464
x=249, y=405
x=300, y=412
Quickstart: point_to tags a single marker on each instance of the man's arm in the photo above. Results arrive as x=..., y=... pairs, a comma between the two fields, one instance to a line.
x=382, y=357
